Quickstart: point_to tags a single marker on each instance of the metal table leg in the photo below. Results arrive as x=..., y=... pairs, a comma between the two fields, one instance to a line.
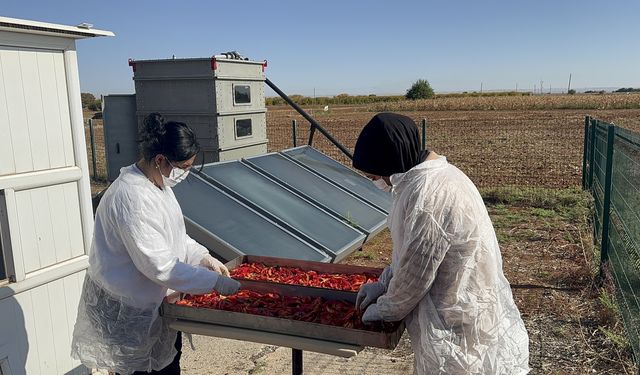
x=296, y=361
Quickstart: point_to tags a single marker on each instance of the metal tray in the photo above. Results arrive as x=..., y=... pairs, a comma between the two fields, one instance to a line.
x=386, y=340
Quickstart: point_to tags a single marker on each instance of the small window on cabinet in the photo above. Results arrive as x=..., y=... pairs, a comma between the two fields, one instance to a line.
x=241, y=95
x=243, y=128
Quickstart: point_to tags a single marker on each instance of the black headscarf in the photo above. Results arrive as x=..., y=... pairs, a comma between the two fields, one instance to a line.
x=388, y=144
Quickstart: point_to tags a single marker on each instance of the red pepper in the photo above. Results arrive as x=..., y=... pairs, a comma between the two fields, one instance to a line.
x=292, y=275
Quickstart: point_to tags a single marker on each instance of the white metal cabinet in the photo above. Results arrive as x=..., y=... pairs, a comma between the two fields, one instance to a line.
x=46, y=220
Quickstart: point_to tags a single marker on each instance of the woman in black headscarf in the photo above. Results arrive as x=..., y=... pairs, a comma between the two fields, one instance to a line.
x=445, y=279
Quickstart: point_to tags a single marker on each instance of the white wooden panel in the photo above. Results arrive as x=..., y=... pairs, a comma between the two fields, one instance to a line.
x=16, y=110
x=9, y=321
x=27, y=231
x=60, y=324
x=32, y=362
x=43, y=219
x=73, y=218
x=72, y=289
x=32, y=180
x=13, y=337
x=35, y=115
x=11, y=38
x=44, y=330
x=45, y=276
x=6, y=146
x=49, y=225
x=61, y=238
x=63, y=103
x=37, y=324
x=51, y=109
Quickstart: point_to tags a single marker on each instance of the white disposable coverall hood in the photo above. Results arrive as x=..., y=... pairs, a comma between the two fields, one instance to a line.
x=140, y=251
x=447, y=281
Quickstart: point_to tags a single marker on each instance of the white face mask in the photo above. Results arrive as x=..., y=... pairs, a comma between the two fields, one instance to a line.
x=382, y=185
x=176, y=176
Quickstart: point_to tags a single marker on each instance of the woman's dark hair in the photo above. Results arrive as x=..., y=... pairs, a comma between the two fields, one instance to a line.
x=173, y=139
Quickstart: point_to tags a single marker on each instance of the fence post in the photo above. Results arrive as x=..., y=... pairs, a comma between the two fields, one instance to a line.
x=594, y=128
x=424, y=133
x=606, y=206
x=93, y=149
x=311, y=132
x=584, y=153
x=294, y=125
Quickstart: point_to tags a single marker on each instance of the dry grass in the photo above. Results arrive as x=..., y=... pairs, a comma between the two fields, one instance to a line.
x=511, y=103
x=494, y=148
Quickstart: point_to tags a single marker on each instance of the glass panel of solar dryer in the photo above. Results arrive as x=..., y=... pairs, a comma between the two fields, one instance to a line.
x=341, y=175
x=347, y=206
x=239, y=225
x=336, y=236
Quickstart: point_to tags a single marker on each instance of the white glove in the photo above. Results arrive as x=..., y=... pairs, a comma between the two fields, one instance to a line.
x=214, y=265
x=368, y=294
x=371, y=314
x=226, y=285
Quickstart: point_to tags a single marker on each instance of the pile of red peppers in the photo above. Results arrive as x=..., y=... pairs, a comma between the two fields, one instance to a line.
x=303, y=308
x=306, y=309
x=297, y=276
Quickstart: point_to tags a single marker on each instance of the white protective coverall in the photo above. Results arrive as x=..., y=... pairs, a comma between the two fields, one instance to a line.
x=140, y=250
x=447, y=277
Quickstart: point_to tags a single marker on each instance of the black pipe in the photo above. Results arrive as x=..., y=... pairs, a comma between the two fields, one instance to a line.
x=296, y=362
x=314, y=123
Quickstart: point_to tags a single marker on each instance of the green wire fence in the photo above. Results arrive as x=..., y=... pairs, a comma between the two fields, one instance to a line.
x=611, y=172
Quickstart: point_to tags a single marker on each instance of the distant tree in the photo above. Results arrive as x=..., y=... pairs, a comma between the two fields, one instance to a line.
x=572, y=92
x=87, y=99
x=627, y=89
x=96, y=105
x=421, y=89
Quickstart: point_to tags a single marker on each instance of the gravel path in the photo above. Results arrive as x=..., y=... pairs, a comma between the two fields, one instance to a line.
x=230, y=357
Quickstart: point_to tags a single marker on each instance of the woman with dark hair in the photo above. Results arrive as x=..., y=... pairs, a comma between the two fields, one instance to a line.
x=141, y=251
x=445, y=279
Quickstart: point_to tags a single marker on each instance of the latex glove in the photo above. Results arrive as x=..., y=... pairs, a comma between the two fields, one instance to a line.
x=371, y=314
x=226, y=285
x=214, y=265
x=368, y=294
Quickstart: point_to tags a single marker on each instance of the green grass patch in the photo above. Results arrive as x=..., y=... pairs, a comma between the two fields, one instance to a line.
x=534, y=197
x=516, y=211
x=543, y=212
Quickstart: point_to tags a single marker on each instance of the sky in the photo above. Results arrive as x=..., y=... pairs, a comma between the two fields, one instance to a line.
x=330, y=47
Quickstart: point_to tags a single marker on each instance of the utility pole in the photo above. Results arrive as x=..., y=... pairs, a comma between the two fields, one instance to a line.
x=516, y=87
x=534, y=89
x=480, y=87
x=569, y=88
x=541, y=86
